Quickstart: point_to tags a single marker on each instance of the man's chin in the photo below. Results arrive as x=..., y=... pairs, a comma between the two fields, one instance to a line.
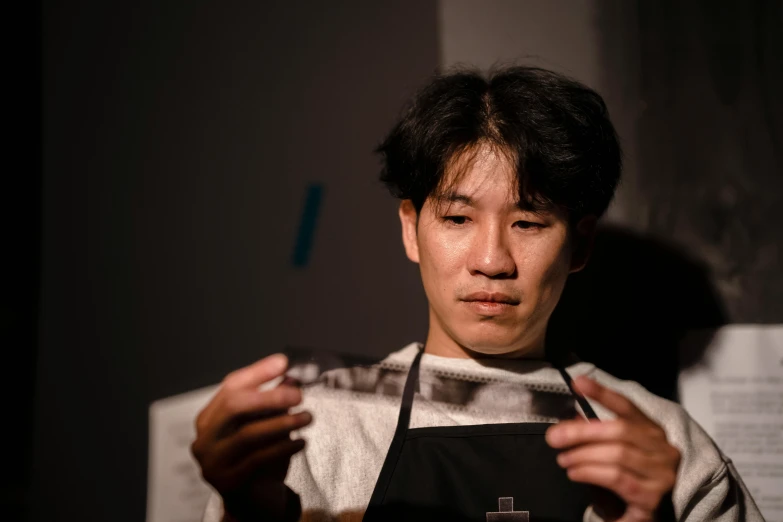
x=479, y=347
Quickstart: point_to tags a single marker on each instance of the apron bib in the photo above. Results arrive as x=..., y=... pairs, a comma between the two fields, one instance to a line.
x=490, y=472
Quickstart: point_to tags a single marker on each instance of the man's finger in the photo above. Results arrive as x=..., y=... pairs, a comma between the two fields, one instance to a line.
x=608, y=398
x=258, y=434
x=247, y=405
x=577, y=432
x=258, y=373
x=629, y=457
x=252, y=376
x=282, y=450
x=641, y=493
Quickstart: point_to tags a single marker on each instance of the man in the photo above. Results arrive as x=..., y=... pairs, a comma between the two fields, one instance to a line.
x=501, y=181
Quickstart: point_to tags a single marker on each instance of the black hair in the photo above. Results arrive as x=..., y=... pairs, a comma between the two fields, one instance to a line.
x=556, y=130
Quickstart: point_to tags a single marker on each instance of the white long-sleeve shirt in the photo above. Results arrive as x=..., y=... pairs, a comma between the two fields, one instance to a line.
x=355, y=415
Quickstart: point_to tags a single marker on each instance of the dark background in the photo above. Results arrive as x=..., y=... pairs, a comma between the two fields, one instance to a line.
x=151, y=230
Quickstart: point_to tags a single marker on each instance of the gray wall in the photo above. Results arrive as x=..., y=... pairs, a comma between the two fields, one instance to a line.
x=711, y=143
x=178, y=144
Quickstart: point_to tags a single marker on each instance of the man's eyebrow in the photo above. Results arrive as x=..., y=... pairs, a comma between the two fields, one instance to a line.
x=528, y=206
x=525, y=206
x=456, y=197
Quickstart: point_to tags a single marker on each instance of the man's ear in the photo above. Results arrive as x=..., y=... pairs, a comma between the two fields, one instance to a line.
x=583, y=240
x=409, y=220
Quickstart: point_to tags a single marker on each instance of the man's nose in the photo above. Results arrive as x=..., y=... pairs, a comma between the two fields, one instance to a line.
x=490, y=254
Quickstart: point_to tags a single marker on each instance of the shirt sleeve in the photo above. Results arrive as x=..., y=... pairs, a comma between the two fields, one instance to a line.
x=723, y=499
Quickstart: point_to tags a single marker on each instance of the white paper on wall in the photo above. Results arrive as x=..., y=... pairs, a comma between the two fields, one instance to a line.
x=175, y=490
x=736, y=394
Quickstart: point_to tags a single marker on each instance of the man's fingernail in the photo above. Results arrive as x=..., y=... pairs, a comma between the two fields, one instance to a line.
x=554, y=435
x=277, y=362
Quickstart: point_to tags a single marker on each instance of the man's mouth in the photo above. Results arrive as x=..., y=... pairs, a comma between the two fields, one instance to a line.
x=491, y=297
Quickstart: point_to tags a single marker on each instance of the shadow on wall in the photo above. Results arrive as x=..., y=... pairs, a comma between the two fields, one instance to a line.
x=630, y=308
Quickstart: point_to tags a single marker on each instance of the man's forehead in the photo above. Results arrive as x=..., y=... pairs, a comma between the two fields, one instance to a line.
x=483, y=173
x=478, y=183
x=478, y=162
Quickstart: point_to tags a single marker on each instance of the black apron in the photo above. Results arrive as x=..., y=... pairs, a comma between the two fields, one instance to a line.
x=492, y=472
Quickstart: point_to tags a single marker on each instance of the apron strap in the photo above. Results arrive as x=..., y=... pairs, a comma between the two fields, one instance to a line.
x=403, y=421
x=557, y=359
x=586, y=408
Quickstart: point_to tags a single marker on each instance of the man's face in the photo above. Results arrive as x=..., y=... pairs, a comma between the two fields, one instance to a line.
x=492, y=272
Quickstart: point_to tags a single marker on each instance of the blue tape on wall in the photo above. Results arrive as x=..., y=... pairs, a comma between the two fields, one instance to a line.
x=304, y=239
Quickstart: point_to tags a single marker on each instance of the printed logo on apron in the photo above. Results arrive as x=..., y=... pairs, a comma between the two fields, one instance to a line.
x=506, y=513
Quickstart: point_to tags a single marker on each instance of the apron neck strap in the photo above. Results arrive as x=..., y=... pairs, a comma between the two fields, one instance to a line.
x=586, y=408
x=557, y=359
x=411, y=384
x=403, y=421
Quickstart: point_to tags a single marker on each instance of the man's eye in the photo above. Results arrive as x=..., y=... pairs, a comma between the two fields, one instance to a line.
x=455, y=220
x=528, y=224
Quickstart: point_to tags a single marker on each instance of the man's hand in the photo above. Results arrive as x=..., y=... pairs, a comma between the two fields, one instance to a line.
x=244, y=444
x=629, y=456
